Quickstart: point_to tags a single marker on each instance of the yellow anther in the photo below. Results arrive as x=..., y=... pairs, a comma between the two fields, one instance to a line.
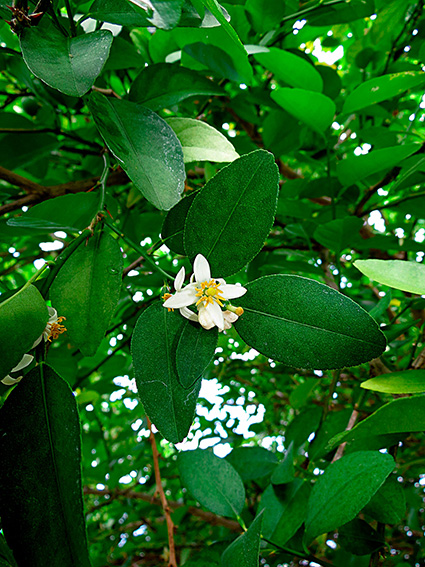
x=56, y=329
x=239, y=311
x=165, y=297
x=208, y=293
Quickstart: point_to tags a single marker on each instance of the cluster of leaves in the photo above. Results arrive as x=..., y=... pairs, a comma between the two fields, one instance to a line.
x=138, y=134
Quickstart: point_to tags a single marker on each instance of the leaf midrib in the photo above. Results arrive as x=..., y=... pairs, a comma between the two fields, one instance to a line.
x=321, y=329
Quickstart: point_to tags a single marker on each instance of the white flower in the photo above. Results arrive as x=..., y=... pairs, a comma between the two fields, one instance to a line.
x=207, y=294
x=52, y=330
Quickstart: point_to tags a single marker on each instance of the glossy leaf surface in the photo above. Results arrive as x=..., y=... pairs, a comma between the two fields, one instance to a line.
x=23, y=317
x=404, y=382
x=195, y=351
x=86, y=290
x=244, y=551
x=344, y=489
x=164, y=85
x=313, y=108
x=145, y=146
x=246, y=192
x=70, y=65
x=169, y=405
x=306, y=324
x=41, y=502
x=212, y=481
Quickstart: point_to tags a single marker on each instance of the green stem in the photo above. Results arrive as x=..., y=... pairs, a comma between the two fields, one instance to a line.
x=103, y=179
x=60, y=261
x=332, y=387
x=307, y=556
x=138, y=249
x=71, y=19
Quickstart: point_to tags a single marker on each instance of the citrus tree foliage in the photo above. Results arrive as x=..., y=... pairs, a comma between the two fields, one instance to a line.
x=211, y=303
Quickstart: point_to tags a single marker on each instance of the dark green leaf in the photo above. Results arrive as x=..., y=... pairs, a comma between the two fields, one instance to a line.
x=252, y=462
x=359, y=538
x=306, y=324
x=407, y=276
x=212, y=481
x=404, y=382
x=166, y=13
x=355, y=168
x=245, y=550
x=241, y=195
x=41, y=503
x=285, y=509
x=67, y=212
x=341, y=13
x=173, y=227
x=195, y=351
x=164, y=85
x=381, y=88
x=70, y=65
x=388, y=505
x=145, y=146
x=119, y=12
x=344, y=489
x=338, y=234
x=403, y=415
x=169, y=405
x=216, y=10
x=313, y=108
x=303, y=425
x=291, y=69
x=285, y=471
x=86, y=290
x=23, y=317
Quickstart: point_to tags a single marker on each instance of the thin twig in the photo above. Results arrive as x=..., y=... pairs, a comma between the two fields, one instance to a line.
x=172, y=562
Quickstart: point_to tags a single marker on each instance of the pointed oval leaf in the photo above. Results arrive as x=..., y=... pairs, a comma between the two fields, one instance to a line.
x=212, y=481
x=145, y=146
x=388, y=505
x=241, y=195
x=404, y=415
x=339, y=233
x=164, y=85
x=41, y=500
x=314, y=109
x=306, y=324
x=344, y=489
x=381, y=88
x=23, y=317
x=252, y=462
x=202, y=142
x=86, y=290
x=291, y=69
x=359, y=538
x=67, y=212
x=405, y=382
x=355, y=168
x=245, y=550
x=195, y=350
x=285, y=509
x=169, y=405
x=173, y=227
x=166, y=13
x=70, y=65
x=407, y=276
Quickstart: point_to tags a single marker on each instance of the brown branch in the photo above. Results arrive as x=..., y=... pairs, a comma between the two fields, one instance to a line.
x=390, y=176
x=172, y=562
x=38, y=193
x=208, y=517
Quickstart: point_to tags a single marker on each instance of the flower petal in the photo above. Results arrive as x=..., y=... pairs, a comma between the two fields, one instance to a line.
x=38, y=341
x=205, y=318
x=231, y=291
x=25, y=361
x=178, y=282
x=201, y=268
x=183, y=298
x=188, y=314
x=53, y=315
x=216, y=315
x=9, y=381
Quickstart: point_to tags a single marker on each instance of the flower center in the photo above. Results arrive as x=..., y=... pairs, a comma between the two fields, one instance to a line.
x=209, y=292
x=56, y=329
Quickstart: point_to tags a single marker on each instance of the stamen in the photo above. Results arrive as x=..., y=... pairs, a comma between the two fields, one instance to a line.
x=165, y=297
x=208, y=293
x=56, y=329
